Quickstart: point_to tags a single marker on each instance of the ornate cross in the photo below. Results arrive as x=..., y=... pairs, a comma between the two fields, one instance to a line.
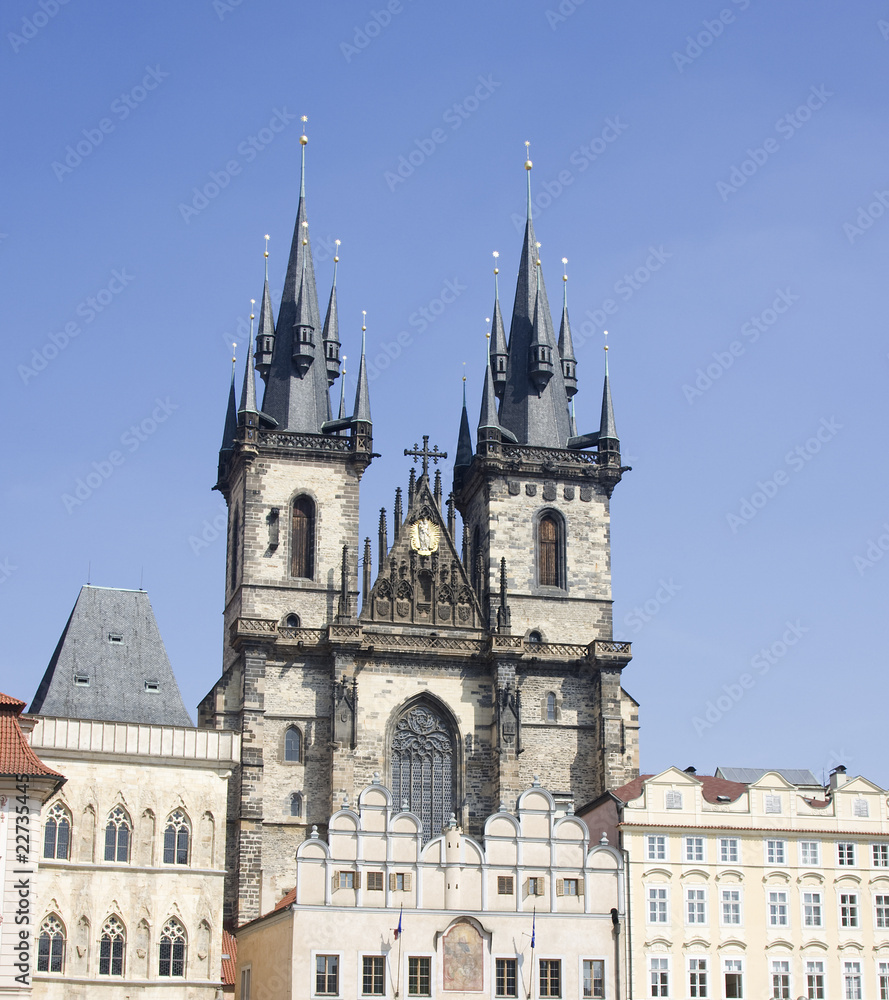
x=426, y=454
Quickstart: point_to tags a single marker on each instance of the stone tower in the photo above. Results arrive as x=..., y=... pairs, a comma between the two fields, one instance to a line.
x=479, y=658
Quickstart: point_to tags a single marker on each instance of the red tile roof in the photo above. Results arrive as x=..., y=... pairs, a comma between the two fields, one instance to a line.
x=286, y=900
x=229, y=958
x=712, y=790
x=16, y=755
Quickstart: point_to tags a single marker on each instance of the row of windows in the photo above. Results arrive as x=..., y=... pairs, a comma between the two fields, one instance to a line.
x=699, y=985
x=118, y=836
x=772, y=804
x=401, y=882
x=775, y=851
x=52, y=941
x=811, y=902
x=419, y=977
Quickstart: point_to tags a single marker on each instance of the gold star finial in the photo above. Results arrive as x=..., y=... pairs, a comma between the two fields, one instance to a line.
x=266, y=238
x=565, y=267
x=528, y=163
x=303, y=139
x=336, y=257
x=496, y=254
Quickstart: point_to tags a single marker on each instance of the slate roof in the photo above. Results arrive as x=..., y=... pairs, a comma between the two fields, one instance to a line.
x=796, y=776
x=107, y=663
x=16, y=755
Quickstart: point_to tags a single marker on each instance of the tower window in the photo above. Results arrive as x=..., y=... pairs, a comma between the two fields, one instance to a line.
x=292, y=745
x=552, y=714
x=549, y=552
x=291, y=621
x=302, y=558
x=296, y=804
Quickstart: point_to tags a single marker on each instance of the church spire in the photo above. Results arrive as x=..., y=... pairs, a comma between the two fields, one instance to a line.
x=566, y=346
x=265, y=337
x=296, y=393
x=248, y=389
x=230, y=426
x=331, y=333
x=609, y=444
x=464, y=439
x=498, y=352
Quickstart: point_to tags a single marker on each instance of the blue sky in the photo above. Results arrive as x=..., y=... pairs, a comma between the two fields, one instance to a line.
x=716, y=175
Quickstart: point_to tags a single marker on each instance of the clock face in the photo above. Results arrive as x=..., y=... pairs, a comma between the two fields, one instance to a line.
x=424, y=536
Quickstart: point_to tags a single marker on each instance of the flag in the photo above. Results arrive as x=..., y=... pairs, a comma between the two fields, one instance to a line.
x=398, y=928
x=533, y=927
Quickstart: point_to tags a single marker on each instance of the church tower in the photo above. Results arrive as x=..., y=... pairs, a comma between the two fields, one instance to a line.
x=481, y=656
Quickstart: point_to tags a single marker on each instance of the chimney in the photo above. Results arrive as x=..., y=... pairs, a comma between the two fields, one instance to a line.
x=838, y=777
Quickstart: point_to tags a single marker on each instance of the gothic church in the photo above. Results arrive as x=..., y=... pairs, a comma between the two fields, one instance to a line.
x=479, y=656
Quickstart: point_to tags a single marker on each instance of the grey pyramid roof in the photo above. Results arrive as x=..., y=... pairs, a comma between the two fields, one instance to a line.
x=606, y=424
x=464, y=439
x=498, y=334
x=248, y=389
x=362, y=391
x=487, y=417
x=107, y=663
x=231, y=417
x=566, y=344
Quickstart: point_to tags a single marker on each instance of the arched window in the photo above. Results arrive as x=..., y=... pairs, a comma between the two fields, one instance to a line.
x=296, y=804
x=551, y=710
x=172, y=949
x=117, y=835
x=51, y=945
x=302, y=555
x=424, y=760
x=176, y=839
x=57, y=833
x=112, y=947
x=549, y=552
x=293, y=745
x=292, y=621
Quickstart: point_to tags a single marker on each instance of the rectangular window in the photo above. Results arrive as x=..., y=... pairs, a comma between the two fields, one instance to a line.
x=659, y=970
x=883, y=974
x=656, y=848
x=694, y=848
x=776, y=852
x=506, y=982
x=815, y=980
x=375, y=881
x=111, y=956
x=348, y=880
x=504, y=885
x=852, y=980
x=535, y=886
x=812, y=909
x=593, y=978
x=400, y=881
x=327, y=975
x=550, y=977
x=731, y=906
x=882, y=911
x=845, y=854
x=773, y=803
x=810, y=853
x=152, y=687
x=859, y=807
x=81, y=680
x=657, y=906
x=697, y=978
x=880, y=854
x=419, y=977
x=373, y=976
x=848, y=909
x=781, y=980
x=777, y=909
x=245, y=983
x=728, y=850
x=570, y=887
x=734, y=978
x=673, y=800
x=696, y=906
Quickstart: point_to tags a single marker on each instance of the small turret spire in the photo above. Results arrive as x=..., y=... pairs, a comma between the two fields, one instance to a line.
x=463, y=458
x=231, y=424
x=303, y=328
x=265, y=336
x=331, y=332
x=248, y=389
x=566, y=345
x=497, y=348
x=362, y=392
x=540, y=362
x=609, y=444
x=342, y=413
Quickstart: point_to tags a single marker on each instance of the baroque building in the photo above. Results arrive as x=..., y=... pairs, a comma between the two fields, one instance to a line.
x=481, y=655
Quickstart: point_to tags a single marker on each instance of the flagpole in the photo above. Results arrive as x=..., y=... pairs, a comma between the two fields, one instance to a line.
x=533, y=942
x=398, y=970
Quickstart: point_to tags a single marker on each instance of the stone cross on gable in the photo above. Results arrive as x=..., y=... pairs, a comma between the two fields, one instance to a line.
x=426, y=454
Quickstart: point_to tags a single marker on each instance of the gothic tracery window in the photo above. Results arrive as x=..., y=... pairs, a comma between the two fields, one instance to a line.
x=176, y=837
x=423, y=767
x=57, y=832
x=51, y=945
x=172, y=949
x=117, y=835
x=302, y=553
x=112, y=947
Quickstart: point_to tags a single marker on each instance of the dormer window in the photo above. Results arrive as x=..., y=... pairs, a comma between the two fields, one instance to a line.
x=81, y=680
x=152, y=687
x=115, y=638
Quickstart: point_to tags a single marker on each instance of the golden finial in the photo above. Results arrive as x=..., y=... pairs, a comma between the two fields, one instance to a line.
x=345, y=359
x=605, y=334
x=496, y=255
x=234, y=359
x=565, y=267
x=363, y=320
x=336, y=258
x=267, y=238
x=266, y=256
x=252, y=304
x=303, y=139
x=464, y=371
x=487, y=331
x=538, y=253
x=305, y=234
x=528, y=163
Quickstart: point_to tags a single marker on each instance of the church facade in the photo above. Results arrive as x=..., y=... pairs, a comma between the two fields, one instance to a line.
x=481, y=656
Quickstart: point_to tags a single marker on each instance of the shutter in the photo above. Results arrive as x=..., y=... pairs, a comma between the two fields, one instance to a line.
x=392, y=882
x=356, y=880
x=580, y=887
x=560, y=887
x=407, y=881
x=336, y=881
x=538, y=887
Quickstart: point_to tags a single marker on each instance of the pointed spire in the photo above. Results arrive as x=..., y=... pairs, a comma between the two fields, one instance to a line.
x=399, y=515
x=383, y=538
x=464, y=439
x=487, y=419
x=498, y=352
x=331, y=333
x=366, y=584
x=573, y=421
x=231, y=413
x=504, y=616
x=248, y=389
x=540, y=361
x=303, y=329
x=265, y=337
x=362, y=392
x=344, y=604
x=609, y=444
x=566, y=346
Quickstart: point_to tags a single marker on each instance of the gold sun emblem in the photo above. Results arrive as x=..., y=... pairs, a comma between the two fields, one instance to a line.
x=424, y=536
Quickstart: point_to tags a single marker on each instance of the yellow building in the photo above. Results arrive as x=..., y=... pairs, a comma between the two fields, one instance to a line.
x=531, y=911
x=754, y=888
